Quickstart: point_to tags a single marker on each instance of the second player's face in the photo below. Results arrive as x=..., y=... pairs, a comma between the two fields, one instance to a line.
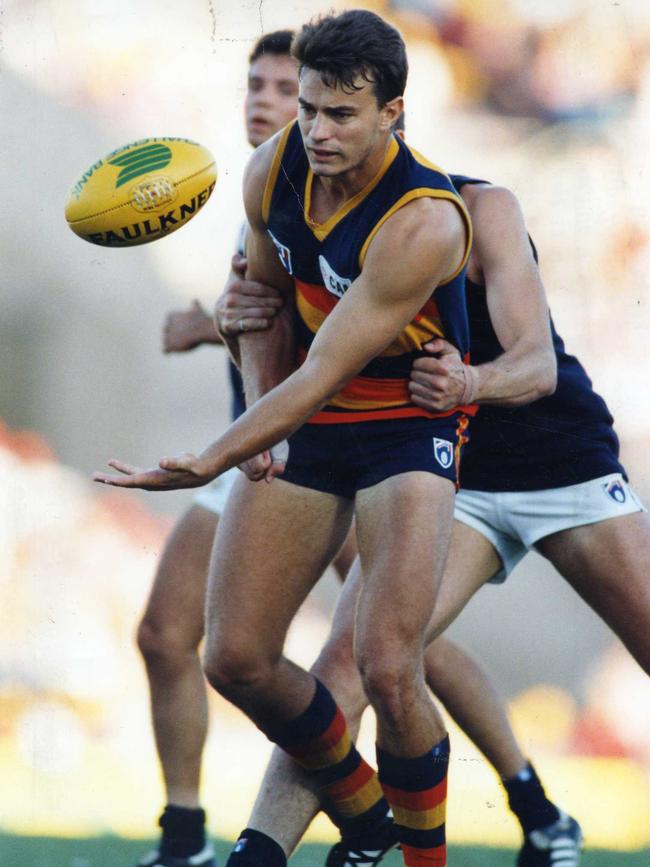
x=340, y=130
x=271, y=98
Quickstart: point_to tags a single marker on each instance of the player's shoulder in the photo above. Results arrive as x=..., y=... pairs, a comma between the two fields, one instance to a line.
x=261, y=160
x=483, y=199
x=496, y=213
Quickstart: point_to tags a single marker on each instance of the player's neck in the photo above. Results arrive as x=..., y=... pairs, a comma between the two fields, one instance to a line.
x=330, y=193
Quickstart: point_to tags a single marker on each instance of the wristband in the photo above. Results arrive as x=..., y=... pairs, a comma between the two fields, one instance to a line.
x=470, y=392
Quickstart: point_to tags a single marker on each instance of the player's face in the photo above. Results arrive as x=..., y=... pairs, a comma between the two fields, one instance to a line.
x=271, y=98
x=341, y=130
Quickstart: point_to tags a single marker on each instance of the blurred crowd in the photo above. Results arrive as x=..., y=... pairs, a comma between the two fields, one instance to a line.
x=554, y=61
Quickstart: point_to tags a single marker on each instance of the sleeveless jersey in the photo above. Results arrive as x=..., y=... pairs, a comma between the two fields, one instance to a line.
x=563, y=439
x=324, y=259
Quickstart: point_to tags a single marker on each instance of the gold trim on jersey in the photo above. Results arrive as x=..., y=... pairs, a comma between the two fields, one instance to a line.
x=272, y=176
x=322, y=230
x=429, y=193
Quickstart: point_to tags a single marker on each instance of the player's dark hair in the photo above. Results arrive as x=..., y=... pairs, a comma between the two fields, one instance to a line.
x=278, y=42
x=355, y=43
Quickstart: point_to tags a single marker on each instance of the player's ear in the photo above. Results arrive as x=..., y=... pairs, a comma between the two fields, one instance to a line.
x=390, y=111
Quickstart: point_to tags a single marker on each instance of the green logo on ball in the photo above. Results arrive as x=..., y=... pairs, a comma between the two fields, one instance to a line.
x=140, y=161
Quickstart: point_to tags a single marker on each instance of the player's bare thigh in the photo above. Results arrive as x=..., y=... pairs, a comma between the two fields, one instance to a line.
x=404, y=529
x=471, y=562
x=175, y=609
x=273, y=544
x=608, y=564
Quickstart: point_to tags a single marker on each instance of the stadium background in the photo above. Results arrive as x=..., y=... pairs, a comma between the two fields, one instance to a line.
x=551, y=99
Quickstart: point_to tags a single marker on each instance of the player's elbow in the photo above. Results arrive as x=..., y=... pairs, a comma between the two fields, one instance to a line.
x=546, y=374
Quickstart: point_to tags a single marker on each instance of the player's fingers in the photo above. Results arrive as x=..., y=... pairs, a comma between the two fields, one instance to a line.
x=276, y=469
x=181, y=463
x=427, y=365
x=435, y=345
x=115, y=481
x=435, y=374
x=257, y=324
x=258, y=312
x=260, y=290
x=121, y=467
x=238, y=264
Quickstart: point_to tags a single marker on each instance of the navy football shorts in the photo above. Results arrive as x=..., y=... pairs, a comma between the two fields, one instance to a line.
x=342, y=459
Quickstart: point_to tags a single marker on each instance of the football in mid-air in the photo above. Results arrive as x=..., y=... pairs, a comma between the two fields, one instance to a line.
x=141, y=192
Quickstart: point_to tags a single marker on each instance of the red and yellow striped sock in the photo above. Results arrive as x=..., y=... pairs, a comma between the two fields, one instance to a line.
x=319, y=741
x=416, y=790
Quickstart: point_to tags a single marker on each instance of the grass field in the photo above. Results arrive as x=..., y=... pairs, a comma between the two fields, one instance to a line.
x=115, y=852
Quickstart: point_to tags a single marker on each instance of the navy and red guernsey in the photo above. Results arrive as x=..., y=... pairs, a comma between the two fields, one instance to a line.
x=324, y=259
x=560, y=440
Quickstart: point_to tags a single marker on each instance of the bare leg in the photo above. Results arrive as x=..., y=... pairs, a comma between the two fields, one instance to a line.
x=607, y=564
x=287, y=802
x=471, y=700
x=169, y=635
x=257, y=582
x=460, y=684
x=404, y=530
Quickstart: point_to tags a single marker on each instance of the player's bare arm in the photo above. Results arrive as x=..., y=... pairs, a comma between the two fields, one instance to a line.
x=502, y=260
x=375, y=309
x=185, y=330
x=266, y=357
x=245, y=305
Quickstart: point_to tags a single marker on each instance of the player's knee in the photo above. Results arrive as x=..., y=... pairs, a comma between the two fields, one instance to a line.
x=337, y=669
x=389, y=682
x=233, y=669
x=164, y=644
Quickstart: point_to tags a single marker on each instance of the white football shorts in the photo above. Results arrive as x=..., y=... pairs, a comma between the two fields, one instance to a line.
x=214, y=496
x=513, y=521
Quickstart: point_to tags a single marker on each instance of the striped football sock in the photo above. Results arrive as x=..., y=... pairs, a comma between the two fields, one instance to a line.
x=416, y=790
x=319, y=741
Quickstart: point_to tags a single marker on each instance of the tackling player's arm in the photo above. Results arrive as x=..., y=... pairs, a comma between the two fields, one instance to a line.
x=266, y=357
x=401, y=270
x=527, y=369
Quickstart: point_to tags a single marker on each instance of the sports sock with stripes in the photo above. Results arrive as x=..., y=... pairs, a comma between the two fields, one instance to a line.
x=183, y=831
x=528, y=801
x=416, y=790
x=319, y=741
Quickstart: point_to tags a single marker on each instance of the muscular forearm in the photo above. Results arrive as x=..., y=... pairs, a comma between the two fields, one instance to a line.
x=517, y=377
x=271, y=419
x=267, y=358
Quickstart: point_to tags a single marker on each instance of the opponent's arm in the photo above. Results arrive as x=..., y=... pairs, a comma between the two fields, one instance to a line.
x=266, y=357
x=184, y=330
x=527, y=369
x=403, y=265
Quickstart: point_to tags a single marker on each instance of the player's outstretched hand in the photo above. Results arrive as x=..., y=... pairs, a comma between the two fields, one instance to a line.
x=186, y=329
x=439, y=382
x=185, y=471
x=245, y=305
x=269, y=465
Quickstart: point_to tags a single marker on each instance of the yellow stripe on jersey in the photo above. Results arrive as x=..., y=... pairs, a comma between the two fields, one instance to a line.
x=272, y=176
x=415, y=335
x=322, y=230
x=422, y=193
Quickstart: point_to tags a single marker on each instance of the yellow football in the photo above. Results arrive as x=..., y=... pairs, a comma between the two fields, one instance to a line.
x=141, y=192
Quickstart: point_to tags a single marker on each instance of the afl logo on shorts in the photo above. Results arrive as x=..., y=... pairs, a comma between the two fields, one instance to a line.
x=283, y=252
x=333, y=283
x=615, y=491
x=444, y=452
